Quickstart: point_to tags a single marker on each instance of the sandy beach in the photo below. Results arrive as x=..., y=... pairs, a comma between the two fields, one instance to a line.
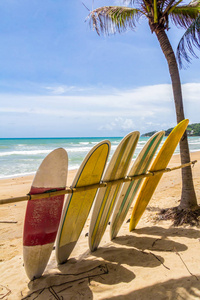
x=156, y=261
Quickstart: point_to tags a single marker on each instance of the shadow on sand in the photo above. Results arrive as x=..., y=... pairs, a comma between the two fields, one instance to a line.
x=76, y=278
x=180, y=289
x=69, y=284
x=149, y=243
x=172, y=231
x=131, y=257
x=157, y=238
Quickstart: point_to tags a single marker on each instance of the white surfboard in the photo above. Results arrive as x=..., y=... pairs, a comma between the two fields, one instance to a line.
x=43, y=215
x=106, y=197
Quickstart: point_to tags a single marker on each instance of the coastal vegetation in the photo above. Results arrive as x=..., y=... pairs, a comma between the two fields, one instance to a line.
x=158, y=13
x=192, y=130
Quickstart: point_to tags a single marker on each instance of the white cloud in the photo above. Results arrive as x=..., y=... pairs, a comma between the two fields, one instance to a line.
x=64, y=89
x=117, y=111
x=59, y=90
x=128, y=124
x=191, y=92
x=118, y=123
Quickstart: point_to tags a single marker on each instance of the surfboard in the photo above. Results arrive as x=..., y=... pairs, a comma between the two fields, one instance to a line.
x=130, y=189
x=78, y=205
x=161, y=161
x=106, y=197
x=43, y=215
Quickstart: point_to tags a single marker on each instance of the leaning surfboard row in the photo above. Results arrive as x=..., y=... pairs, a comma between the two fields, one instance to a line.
x=47, y=220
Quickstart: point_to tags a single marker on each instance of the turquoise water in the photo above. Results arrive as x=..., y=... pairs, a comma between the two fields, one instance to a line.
x=23, y=156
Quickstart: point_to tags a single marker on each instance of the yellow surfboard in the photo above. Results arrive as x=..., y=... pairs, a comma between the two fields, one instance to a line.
x=161, y=161
x=78, y=205
x=130, y=189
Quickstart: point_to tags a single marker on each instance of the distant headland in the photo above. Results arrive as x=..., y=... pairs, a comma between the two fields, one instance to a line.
x=192, y=130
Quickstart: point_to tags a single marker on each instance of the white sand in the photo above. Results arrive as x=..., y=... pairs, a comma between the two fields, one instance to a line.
x=156, y=261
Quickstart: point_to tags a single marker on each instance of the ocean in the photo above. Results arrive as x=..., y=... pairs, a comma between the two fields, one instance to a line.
x=19, y=157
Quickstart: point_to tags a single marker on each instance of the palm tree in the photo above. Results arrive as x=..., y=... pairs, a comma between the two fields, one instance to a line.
x=112, y=19
x=189, y=40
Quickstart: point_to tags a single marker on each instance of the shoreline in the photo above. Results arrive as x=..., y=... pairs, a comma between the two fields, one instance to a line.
x=71, y=169
x=144, y=264
x=16, y=186
x=29, y=174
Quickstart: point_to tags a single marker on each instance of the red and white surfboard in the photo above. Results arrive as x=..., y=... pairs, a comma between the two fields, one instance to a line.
x=43, y=215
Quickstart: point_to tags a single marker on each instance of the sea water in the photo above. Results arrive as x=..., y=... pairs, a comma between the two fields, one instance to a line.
x=19, y=157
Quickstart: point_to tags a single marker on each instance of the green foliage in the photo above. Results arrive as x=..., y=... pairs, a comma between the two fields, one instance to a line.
x=111, y=19
x=192, y=130
x=189, y=41
x=168, y=131
x=149, y=134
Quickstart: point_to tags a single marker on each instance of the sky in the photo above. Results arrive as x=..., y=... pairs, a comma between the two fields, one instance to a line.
x=58, y=78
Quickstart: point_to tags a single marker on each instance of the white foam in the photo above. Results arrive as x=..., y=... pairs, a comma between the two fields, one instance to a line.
x=194, y=150
x=84, y=143
x=94, y=143
x=74, y=167
x=25, y=152
x=81, y=149
x=36, y=152
x=194, y=143
x=16, y=175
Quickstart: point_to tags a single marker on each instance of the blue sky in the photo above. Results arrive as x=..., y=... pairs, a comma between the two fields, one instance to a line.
x=58, y=78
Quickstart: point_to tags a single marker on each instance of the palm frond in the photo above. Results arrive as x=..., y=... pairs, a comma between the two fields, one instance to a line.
x=169, y=5
x=112, y=19
x=189, y=40
x=184, y=15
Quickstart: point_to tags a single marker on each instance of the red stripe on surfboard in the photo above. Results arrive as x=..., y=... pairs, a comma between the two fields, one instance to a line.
x=42, y=218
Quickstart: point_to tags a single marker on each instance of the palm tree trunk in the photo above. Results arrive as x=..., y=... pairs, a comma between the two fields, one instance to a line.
x=188, y=196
